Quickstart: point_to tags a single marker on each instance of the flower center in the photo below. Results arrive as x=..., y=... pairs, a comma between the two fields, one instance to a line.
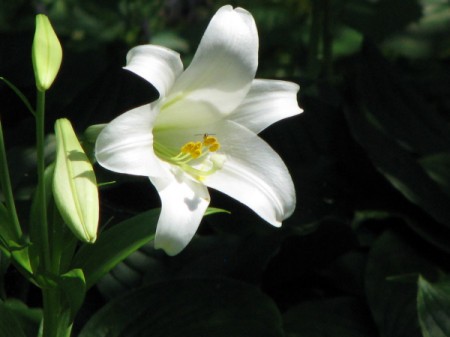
x=198, y=158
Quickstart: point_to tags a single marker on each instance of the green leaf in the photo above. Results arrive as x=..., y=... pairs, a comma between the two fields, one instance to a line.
x=73, y=286
x=395, y=128
x=114, y=245
x=390, y=290
x=9, y=324
x=188, y=308
x=214, y=210
x=19, y=94
x=438, y=168
x=6, y=234
x=342, y=316
x=433, y=306
x=16, y=319
x=36, y=248
x=221, y=255
x=74, y=184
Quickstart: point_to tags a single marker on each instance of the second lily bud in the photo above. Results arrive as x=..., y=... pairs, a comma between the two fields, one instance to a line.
x=74, y=184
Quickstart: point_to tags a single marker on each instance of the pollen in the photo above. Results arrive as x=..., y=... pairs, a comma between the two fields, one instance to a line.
x=209, y=140
x=197, y=149
x=214, y=147
x=192, y=148
x=187, y=148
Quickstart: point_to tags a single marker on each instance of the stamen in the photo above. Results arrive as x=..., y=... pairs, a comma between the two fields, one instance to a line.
x=214, y=147
x=209, y=140
x=194, y=158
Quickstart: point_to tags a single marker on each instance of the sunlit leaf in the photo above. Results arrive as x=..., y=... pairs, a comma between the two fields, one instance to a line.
x=114, y=245
x=433, y=305
x=73, y=286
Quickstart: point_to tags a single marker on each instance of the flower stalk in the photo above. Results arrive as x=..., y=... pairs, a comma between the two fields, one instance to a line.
x=41, y=188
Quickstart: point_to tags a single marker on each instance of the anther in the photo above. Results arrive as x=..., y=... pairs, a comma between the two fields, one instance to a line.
x=209, y=140
x=214, y=147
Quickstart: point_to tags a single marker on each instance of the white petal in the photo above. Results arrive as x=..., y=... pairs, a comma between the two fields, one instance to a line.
x=126, y=144
x=184, y=202
x=253, y=174
x=267, y=102
x=186, y=114
x=158, y=65
x=223, y=66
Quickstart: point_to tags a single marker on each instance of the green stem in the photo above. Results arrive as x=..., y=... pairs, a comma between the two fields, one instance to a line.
x=43, y=223
x=7, y=189
x=50, y=304
x=56, y=323
x=50, y=296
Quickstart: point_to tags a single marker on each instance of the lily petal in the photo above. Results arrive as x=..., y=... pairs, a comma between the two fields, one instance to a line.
x=125, y=145
x=267, y=102
x=253, y=174
x=224, y=65
x=184, y=202
x=158, y=65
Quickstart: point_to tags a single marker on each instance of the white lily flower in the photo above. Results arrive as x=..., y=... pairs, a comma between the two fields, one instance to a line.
x=202, y=131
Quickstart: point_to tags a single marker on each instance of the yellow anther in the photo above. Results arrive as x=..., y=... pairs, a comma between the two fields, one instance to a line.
x=214, y=147
x=194, y=149
x=196, y=153
x=188, y=147
x=209, y=140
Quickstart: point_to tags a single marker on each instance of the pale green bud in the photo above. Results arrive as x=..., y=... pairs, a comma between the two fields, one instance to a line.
x=92, y=132
x=74, y=184
x=46, y=53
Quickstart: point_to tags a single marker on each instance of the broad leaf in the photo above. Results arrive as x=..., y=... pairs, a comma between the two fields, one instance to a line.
x=9, y=324
x=438, y=168
x=396, y=129
x=392, y=269
x=17, y=320
x=114, y=245
x=433, y=305
x=73, y=286
x=188, y=308
x=342, y=316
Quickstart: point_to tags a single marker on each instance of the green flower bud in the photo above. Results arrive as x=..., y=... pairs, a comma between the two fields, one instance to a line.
x=46, y=53
x=74, y=184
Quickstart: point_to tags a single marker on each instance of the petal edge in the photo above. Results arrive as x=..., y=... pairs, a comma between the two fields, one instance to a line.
x=158, y=65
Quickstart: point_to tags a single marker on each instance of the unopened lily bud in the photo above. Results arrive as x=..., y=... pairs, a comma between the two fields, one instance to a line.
x=74, y=184
x=46, y=53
